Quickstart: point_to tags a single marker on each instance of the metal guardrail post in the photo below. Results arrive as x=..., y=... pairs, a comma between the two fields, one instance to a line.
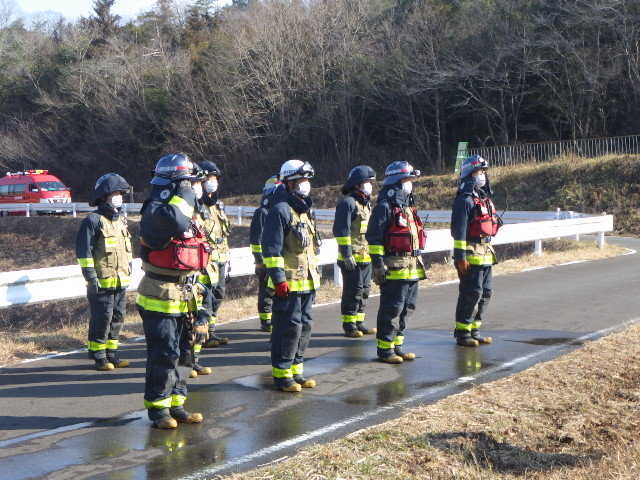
x=28, y=210
x=239, y=216
x=538, y=247
x=73, y=210
x=337, y=275
x=124, y=210
x=601, y=240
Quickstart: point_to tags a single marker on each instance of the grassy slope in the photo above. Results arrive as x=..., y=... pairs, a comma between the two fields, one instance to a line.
x=608, y=184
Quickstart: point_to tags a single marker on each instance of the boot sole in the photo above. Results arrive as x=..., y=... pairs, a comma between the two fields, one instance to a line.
x=292, y=388
x=308, y=384
x=106, y=368
x=193, y=418
x=487, y=341
x=121, y=365
x=408, y=357
x=353, y=335
x=204, y=371
x=391, y=360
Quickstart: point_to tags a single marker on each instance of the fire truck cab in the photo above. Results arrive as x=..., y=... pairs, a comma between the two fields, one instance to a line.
x=32, y=186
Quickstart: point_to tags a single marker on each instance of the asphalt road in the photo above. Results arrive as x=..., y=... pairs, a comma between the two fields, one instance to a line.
x=62, y=420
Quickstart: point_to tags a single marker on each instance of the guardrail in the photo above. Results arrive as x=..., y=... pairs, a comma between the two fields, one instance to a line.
x=57, y=283
x=240, y=212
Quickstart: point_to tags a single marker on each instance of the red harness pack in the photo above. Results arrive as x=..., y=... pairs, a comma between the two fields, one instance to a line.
x=183, y=253
x=485, y=223
x=398, y=236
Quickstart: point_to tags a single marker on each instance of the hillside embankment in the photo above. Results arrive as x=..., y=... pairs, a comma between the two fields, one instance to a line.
x=608, y=184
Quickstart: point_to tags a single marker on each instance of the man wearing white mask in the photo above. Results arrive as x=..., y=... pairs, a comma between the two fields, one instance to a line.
x=349, y=228
x=290, y=245
x=217, y=229
x=103, y=250
x=473, y=223
x=396, y=238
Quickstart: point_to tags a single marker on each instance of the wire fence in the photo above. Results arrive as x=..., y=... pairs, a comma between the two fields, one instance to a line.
x=507, y=155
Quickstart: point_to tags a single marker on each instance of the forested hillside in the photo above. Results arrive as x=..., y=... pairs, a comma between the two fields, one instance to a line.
x=336, y=82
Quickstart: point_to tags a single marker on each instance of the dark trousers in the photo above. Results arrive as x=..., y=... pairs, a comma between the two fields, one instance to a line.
x=108, y=310
x=356, y=285
x=168, y=356
x=474, y=294
x=397, y=304
x=265, y=297
x=291, y=329
x=218, y=292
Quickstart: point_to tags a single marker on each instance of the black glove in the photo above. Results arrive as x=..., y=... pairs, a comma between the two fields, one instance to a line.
x=93, y=286
x=349, y=263
x=380, y=274
x=227, y=278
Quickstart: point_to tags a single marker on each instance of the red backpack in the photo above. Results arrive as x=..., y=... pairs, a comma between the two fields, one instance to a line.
x=485, y=223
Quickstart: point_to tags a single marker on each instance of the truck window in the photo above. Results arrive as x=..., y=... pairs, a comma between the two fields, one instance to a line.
x=33, y=188
x=52, y=186
x=19, y=188
x=4, y=189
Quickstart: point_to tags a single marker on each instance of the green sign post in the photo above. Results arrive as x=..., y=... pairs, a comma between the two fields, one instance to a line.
x=462, y=154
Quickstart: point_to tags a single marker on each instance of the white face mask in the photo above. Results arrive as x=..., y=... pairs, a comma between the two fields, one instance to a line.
x=480, y=180
x=197, y=187
x=116, y=201
x=367, y=188
x=211, y=186
x=303, y=188
x=407, y=187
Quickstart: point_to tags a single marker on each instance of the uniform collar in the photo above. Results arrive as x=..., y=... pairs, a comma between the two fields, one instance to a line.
x=298, y=203
x=107, y=211
x=360, y=197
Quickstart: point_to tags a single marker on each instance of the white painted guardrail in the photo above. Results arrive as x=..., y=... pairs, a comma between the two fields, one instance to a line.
x=240, y=212
x=57, y=283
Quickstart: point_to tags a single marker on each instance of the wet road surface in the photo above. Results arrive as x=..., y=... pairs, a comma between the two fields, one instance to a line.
x=61, y=420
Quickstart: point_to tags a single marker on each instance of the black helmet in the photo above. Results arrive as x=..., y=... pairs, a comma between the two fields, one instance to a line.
x=106, y=185
x=174, y=167
x=210, y=168
x=357, y=176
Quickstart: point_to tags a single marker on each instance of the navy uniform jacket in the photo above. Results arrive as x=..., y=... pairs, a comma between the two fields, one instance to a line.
x=166, y=213
x=346, y=212
x=256, y=228
x=462, y=213
x=277, y=225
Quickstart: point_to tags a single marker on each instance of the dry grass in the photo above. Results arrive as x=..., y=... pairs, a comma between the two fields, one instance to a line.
x=557, y=420
x=26, y=331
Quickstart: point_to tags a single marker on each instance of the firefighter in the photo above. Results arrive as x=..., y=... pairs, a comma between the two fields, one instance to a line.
x=103, y=249
x=396, y=238
x=218, y=229
x=473, y=223
x=265, y=299
x=349, y=228
x=174, y=252
x=290, y=245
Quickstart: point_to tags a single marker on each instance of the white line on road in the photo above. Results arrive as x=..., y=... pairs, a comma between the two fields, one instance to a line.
x=430, y=392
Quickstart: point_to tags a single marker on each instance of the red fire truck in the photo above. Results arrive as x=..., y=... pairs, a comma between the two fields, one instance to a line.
x=32, y=186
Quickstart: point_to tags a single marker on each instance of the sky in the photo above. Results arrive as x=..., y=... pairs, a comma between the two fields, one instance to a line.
x=73, y=9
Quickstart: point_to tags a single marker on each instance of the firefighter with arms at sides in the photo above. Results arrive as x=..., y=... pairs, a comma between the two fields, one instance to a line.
x=103, y=250
x=473, y=223
x=265, y=298
x=396, y=238
x=349, y=228
x=174, y=254
x=290, y=245
x=217, y=230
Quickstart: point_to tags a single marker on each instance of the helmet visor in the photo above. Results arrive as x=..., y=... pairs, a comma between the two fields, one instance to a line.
x=305, y=171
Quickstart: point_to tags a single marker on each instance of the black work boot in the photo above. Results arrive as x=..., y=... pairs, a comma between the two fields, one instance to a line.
x=350, y=330
x=182, y=416
x=363, y=328
x=265, y=326
x=104, y=365
x=287, y=384
x=112, y=357
x=475, y=334
x=389, y=356
x=161, y=418
x=463, y=338
x=304, y=382
x=399, y=351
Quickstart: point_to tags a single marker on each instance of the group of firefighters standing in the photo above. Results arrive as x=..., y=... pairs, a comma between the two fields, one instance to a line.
x=185, y=258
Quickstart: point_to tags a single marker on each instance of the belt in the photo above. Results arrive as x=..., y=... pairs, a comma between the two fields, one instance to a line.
x=479, y=239
x=164, y=278
x=399, y=254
